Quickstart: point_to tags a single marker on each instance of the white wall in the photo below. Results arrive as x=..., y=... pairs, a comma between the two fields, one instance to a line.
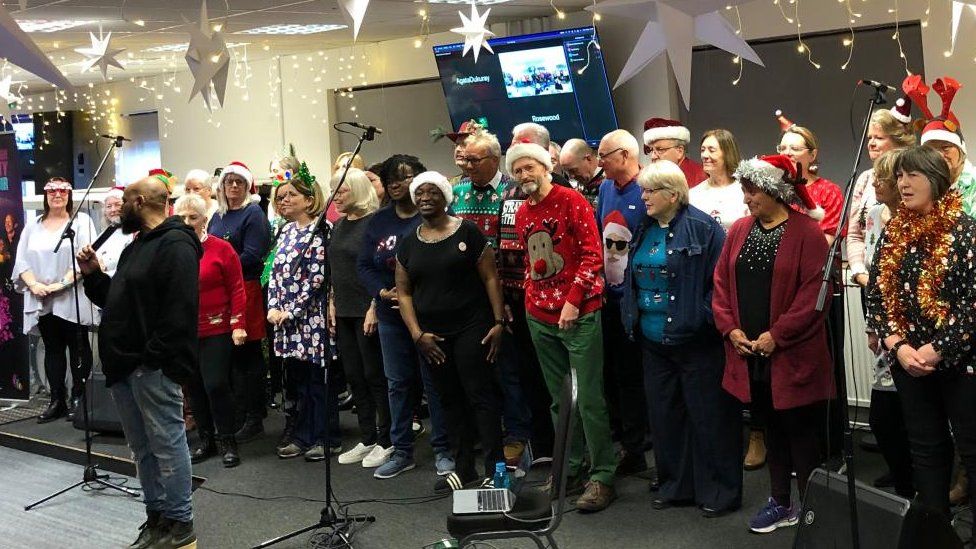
x=252, y=131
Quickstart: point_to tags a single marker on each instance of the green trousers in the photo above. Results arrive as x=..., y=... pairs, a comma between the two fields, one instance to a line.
x=579, y=348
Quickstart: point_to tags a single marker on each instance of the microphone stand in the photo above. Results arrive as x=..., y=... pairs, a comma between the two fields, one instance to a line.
x=329, y=517
x=829, y=263
x=91, y=476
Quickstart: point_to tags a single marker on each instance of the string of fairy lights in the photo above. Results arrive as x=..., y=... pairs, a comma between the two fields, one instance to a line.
x=342, y=70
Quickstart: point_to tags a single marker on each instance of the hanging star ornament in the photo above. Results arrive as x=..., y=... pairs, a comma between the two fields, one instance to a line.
x=208, y=59
x=8, y=99
x=474, y=32
x=354, y=11
x=100, y=53
x=672, y=27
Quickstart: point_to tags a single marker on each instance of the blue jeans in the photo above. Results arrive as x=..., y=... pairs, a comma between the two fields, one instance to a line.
x=516, y=413
x=151, y=409
x=401, y=362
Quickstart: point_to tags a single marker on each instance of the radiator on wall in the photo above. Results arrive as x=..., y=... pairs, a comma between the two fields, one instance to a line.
x=858, y=358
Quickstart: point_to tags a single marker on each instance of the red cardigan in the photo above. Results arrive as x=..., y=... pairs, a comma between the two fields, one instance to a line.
x=221, y=289
x=801, y=371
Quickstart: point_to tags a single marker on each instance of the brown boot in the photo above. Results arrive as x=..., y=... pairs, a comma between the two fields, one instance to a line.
x=596, y=497
x=959, y=494
x=756, y=456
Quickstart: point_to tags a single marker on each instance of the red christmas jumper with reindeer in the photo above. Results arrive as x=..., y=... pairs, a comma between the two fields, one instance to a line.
x=564, y=255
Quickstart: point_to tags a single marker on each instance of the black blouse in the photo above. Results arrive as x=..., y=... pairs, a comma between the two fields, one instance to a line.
x=953, y=339
x=754, y=277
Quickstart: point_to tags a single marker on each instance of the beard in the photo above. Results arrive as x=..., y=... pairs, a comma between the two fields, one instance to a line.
x=130, y=221
x=113, y=219
x=529, y=187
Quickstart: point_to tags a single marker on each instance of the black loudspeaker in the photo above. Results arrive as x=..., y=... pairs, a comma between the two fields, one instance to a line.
x=102, y=414
x=885, y=521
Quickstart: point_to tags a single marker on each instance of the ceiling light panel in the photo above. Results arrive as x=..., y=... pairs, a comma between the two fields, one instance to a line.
x=292, y=29
x=43, y=25
x=479, y=2
x=168, y=48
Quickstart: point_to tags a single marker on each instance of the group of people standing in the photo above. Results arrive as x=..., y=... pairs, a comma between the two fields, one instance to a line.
x=678, y=292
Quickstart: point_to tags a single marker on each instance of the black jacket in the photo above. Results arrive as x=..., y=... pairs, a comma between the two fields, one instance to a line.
x=150, y=307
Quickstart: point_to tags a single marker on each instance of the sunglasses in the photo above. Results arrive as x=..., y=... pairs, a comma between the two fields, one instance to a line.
x=57, y=191
x=621, y=245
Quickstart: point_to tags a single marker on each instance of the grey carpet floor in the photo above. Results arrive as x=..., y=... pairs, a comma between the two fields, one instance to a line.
x=267, y=503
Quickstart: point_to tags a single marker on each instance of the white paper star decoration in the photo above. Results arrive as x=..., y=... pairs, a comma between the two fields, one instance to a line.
x=354, y=11
x=18, y=48
x=100, y=53
x=672, y=26
x=208, y=59
x=474, y=32
x=8, y=99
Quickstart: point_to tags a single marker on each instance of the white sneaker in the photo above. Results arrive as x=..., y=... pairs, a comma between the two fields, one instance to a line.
x=377, y=456
x=355, y=455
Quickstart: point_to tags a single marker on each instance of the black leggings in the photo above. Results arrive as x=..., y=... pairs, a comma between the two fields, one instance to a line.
x=888, y=425
x=250, y=373
x=466, y=385
x=362, y=360
x=60, y=335
x=793, y=442
x=211, y=397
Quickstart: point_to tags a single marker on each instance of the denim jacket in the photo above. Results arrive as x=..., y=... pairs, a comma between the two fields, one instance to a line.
x=694, y=243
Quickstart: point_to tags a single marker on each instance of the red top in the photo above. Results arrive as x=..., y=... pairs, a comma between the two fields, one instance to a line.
x=827, y=195
x=801, y=367
x=694, y=173
x=221, y=289
x=565, y=255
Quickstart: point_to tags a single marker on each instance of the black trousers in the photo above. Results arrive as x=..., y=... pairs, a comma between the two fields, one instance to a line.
x=834, y=441
x=249, y=374
x=362, y=361
x=931, y=403
x=888, y=425
x=697, y=425
x=533, y=383
x=623, y=378
x=211, y=397
x=466, y=385
x=60, y=335
x=793, y=441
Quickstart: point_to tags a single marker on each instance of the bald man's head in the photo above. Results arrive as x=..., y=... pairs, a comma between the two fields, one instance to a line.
x=144, y=204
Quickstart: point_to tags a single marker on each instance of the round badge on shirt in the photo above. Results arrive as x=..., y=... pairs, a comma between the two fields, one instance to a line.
x=462, y=246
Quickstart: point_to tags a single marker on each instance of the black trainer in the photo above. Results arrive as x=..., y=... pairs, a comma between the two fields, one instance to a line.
x=177, y=535
x=206, y=450
x=227, y=446
x=73, y=406
x=150, y=531
x=453, y=481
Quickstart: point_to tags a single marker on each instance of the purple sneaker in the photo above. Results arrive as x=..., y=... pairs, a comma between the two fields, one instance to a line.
x=774, y=516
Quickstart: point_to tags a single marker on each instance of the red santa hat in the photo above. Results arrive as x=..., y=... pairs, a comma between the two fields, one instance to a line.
x=902, y=111
x=776, y=175
x=944, y=127
x=614, y=222
x=524, y=148
x=164, y=177
x=115, y=192
x=664, y=128
x=784, y=123
x=241, y=169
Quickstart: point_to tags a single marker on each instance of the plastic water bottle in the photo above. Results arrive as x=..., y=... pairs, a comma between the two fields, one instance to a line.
x=501, y=478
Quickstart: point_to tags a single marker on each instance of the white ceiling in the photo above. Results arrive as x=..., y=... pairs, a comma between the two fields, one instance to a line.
x=164, y=25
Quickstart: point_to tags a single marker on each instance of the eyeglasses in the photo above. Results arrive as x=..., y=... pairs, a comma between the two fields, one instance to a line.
x=57, y=191
x=603, y=156
x=795, y=150
x=661, y=150
x=621, y=245
x=234, y=183
x=471, y=159
x=652, y=190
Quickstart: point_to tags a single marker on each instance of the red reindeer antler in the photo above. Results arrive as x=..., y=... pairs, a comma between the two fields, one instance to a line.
x=916, y=89
x=947, y=87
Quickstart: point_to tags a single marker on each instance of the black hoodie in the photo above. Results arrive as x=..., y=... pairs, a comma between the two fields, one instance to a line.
x=149, y=308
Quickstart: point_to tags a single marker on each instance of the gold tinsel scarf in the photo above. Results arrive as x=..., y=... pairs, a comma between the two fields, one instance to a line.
x=931, y=234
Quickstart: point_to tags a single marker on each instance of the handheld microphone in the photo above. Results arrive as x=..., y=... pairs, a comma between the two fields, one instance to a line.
x=875, y=84
x=105, y=235
x=114, y=137
x=373, y=129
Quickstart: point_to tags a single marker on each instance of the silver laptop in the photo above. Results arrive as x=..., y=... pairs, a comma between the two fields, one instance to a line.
x=483, y=500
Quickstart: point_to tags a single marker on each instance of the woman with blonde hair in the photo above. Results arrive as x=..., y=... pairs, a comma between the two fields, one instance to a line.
x=338, y=167
x=352, y=313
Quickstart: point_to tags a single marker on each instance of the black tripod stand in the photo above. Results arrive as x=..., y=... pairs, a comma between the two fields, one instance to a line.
x=830, y=265
x=91, y=476
x=329, y=518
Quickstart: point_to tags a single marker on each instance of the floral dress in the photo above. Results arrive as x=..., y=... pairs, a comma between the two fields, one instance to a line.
x=296, y=287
